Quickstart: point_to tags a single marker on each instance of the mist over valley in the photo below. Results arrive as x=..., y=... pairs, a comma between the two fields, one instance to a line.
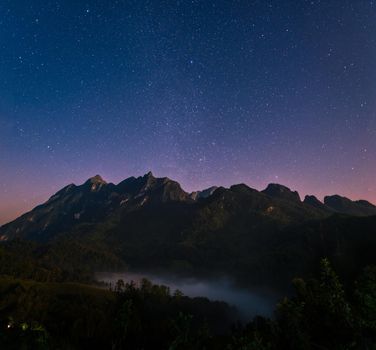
x=247, y=302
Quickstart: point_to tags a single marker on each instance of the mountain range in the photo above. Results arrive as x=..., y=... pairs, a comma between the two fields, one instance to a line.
x=146, y=222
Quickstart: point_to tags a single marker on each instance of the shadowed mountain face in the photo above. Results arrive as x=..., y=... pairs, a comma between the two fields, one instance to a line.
x=203, y=194
x=151, y=223
x=314, y=202
x=97, y=201
x=282, y=192
x=91, y=202
x=346, y=206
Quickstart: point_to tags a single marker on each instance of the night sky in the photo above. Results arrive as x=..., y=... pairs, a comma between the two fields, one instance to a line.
x=204, y=92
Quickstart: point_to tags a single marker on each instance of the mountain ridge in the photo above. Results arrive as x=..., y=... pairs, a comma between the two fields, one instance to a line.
x=95, y=199
x=148, y=222
x=273, y=189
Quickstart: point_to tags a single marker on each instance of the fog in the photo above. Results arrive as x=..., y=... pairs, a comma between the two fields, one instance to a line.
x=248, y=302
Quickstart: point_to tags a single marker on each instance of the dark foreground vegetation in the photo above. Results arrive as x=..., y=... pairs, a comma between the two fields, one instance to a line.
x=322, y=314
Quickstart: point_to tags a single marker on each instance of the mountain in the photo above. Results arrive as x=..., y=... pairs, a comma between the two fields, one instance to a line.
x=257, y=237
x=204, y=193
x=282, y=192
x=96, y=202
x=347, y=206
x=91, y=202
x=314, y=202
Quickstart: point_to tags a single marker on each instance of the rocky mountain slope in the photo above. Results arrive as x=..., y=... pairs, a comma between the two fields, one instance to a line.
x=96, y=200
x=152, y=223
x=91, y=202
x=347, y=206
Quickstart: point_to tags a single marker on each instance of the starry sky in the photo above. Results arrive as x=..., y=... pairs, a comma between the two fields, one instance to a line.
x=204, y=92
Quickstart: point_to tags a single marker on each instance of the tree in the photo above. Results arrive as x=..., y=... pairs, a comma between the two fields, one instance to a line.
x=319, y=315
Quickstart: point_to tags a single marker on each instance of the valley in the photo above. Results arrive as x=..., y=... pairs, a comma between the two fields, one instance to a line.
x=249, y=303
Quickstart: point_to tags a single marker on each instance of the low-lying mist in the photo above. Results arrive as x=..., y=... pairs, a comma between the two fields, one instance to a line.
x=249, y=303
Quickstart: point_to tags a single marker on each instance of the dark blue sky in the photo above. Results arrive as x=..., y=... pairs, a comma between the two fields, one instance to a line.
x=205, y=92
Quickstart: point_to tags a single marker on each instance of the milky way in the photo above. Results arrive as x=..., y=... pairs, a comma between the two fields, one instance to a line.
x=204, y=92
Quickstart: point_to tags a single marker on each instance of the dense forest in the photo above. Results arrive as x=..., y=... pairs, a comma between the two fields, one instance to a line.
x=322, y=314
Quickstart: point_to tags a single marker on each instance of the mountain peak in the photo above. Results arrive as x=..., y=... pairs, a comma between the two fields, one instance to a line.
x=204, y=193
x=97, y=179
x=149, y=175
x=280, y=191
x=310, y=199
x=95, y=183
x=336, y=199
x=347, y=206
x=365, y=203
x=314, y=202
